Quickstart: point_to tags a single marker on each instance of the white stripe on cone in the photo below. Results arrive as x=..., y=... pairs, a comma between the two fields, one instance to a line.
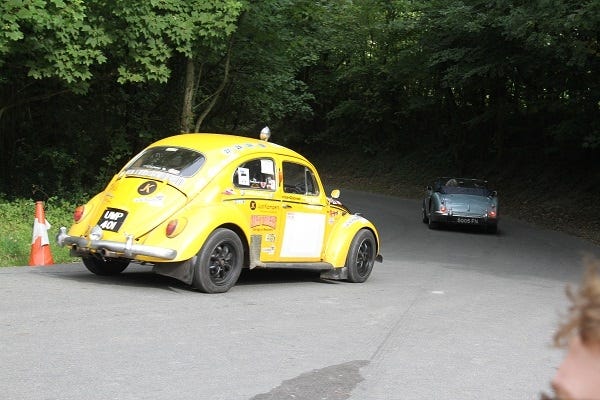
x=41, y=230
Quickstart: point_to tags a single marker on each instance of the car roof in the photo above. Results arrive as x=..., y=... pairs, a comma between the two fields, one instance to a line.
x=219, y=144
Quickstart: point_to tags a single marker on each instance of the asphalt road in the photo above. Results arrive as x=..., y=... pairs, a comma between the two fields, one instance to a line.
x=450, y=314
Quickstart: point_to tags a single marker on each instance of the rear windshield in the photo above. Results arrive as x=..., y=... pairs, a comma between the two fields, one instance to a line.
x=170, y=160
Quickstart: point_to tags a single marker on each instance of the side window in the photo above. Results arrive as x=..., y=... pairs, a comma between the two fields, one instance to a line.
x=255, y=174
x=311, y=183
x=299, y=179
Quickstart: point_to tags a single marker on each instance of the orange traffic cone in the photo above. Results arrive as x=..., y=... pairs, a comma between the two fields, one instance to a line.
x=40, y=245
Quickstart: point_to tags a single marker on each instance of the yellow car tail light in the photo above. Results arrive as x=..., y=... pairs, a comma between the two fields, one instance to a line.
x=175, y=227
x=78, y=213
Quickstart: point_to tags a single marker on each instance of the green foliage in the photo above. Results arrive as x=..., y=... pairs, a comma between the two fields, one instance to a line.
x=84, y=85
x=274, y=42
x=147, y=34
x=51, y=39
x=65, y=39
x=17, y=229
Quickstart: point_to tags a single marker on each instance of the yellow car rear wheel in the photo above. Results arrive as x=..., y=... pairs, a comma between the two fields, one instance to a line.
x=218, y=264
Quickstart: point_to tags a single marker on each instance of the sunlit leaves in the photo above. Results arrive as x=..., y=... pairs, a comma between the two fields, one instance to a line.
x=149, y=33
x=64, y=39
x=51, y=38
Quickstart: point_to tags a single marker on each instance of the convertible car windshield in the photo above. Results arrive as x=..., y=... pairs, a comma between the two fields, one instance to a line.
x=462, y=186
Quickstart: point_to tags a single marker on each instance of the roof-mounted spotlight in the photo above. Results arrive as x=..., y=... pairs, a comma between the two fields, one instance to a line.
x=265, y=134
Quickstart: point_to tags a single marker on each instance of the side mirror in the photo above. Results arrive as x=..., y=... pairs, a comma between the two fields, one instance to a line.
x=429, y=188
x=494, y=193
x=335, y=193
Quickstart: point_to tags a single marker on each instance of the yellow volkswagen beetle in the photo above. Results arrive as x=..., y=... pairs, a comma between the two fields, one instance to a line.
x=200, y=207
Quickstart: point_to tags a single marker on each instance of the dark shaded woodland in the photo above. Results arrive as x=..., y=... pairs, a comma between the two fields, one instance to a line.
x=503, y=88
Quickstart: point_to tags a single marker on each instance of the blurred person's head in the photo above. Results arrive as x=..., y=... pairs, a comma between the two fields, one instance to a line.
x=578, y=376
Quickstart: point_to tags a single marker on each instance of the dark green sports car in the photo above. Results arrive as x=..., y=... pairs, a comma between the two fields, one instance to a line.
x=461, y=201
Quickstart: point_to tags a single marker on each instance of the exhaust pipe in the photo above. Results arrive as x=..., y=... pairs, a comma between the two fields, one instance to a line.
x=108, y=254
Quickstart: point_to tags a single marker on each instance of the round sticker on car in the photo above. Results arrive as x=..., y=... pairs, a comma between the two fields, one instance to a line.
x=147, y=188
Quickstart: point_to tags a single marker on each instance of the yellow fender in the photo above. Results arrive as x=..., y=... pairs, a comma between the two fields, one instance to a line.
x=336, y=250
x=82, y=227
x=200, y=221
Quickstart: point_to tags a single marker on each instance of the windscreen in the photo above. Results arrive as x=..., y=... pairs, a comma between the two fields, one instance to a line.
x=463, y=186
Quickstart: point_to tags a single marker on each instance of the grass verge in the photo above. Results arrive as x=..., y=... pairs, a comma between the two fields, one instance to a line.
x=16, y=232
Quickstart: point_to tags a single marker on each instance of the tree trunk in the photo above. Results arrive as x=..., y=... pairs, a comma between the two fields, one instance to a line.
x=215, y=95
x=187, y=112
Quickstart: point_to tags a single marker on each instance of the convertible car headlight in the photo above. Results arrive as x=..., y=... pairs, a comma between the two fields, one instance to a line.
x=492, y=213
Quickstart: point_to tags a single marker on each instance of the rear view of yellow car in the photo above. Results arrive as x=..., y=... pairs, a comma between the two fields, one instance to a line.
x=200, y=207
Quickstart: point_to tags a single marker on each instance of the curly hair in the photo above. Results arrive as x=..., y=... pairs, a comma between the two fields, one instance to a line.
x=584, y=312
x=583, y=318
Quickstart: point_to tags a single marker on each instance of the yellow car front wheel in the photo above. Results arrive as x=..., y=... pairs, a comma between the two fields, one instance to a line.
x=361, y=256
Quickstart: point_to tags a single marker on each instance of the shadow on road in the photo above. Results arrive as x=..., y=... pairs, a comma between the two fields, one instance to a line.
x=142, y=276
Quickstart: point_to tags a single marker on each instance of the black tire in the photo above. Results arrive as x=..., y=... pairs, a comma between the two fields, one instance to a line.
x=104, y=267
x=218, y=264
x=492, y=228
x=361, y=256
x=424, y=216
x=432, y=225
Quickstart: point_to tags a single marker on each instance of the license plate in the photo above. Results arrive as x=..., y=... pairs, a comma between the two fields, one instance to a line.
x=467, y=220
x=112, y=219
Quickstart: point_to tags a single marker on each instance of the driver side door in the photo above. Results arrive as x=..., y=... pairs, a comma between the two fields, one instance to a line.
x=303, y=214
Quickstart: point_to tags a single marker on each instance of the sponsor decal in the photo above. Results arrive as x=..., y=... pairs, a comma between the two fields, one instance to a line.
x=267, y=207
x=269, y=250
x=112, y=219
x=333, y=215
x=353, y=219
x=334, y=201
x=156, y=201
x=270, y=237
x=147, y=188
x=237, y=147
x=263, y=220
x=176, y=181
x=264, y=206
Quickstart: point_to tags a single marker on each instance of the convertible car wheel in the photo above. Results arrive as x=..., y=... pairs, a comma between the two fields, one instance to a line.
x=492, y=228
x=218, y=264
x=424, y=216
x=432, y=225
x=361, y=256
x=104, y=267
